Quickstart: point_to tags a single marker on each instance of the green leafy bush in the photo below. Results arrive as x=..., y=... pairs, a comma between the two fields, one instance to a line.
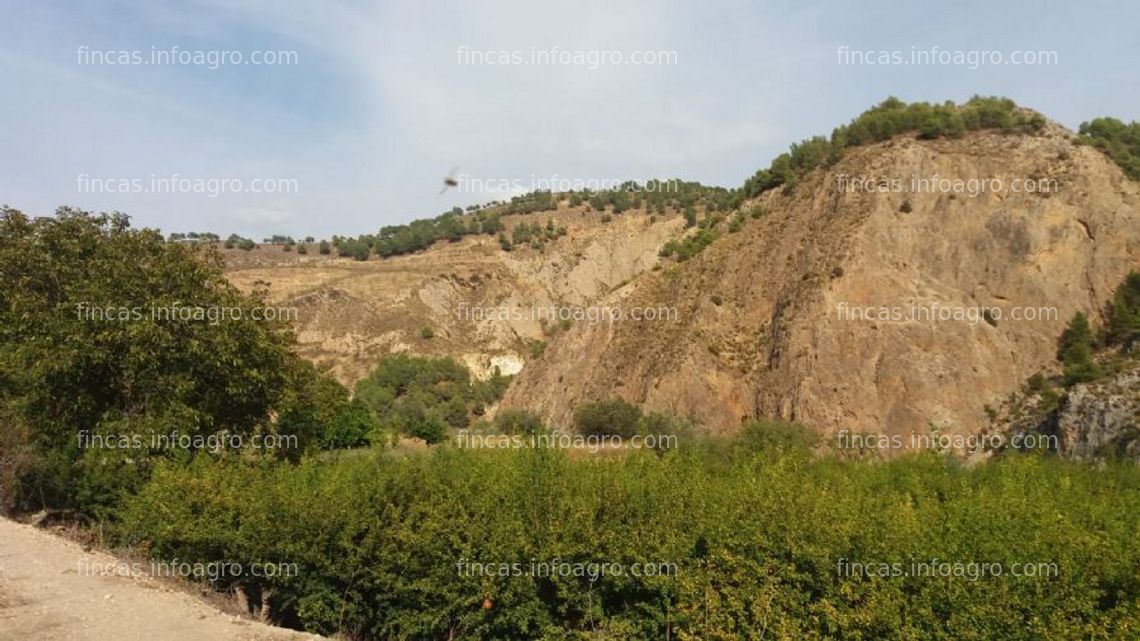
x=89, y=347
x=690, y=216
x=1120, y=141
x=526, y=232
x=1123, y=326
x=351, y=426
x=517, y=421
x=609, y=417
x=421, y=397
x=690, y=245
x=356, y=249
x=385, y=545
x=1075, y=349
x=778, y=437
x=237, y=241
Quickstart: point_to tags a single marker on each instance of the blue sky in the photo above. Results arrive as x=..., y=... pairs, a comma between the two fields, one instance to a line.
x=379, y=107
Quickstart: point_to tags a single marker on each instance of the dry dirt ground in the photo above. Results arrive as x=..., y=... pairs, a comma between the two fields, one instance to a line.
x=45, y=596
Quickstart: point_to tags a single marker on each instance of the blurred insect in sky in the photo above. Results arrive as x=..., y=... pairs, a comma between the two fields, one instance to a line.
x=449, y=180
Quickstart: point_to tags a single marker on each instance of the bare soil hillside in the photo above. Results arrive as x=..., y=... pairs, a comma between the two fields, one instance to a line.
x=351, y=314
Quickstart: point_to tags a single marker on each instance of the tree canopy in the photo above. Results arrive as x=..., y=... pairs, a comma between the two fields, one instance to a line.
x=84, y=352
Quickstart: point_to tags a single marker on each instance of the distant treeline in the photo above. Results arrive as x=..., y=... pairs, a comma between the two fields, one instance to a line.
x=205, y=237
x=655, y=196
x=886, y=120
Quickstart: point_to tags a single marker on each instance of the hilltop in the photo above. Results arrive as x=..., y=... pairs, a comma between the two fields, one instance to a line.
x=764, y=291
x=763, y=331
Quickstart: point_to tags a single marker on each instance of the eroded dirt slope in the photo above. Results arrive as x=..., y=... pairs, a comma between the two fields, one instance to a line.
x=351, y=314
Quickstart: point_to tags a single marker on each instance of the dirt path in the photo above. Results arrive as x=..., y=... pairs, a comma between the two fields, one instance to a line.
x=45, y=597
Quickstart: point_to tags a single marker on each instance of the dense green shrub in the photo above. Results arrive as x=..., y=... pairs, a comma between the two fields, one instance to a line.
x=492, y=224
x=690, y=216
x=537, y=348
x=737, y=222
x=1075, y=349
x=421, y=397
x=517, y=421
x=1039, y=385
x=351, y=426
x=17, y=459
x=762, y=546
x=690, y=245
x=526, y=232
x=318, y=410
x=357, y=249
x=1120, y=141
x=239, y=242
x=609, y=417
x=684, y=431
x=1123, y=326
x=778, y=437
x=414, y=419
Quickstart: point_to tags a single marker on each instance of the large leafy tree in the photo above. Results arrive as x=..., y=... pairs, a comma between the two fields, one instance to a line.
x=73, y=363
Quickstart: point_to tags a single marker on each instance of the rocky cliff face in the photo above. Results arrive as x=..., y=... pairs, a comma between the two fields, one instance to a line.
x=785, y=318
x=1093, y=420
x=1100, y=418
